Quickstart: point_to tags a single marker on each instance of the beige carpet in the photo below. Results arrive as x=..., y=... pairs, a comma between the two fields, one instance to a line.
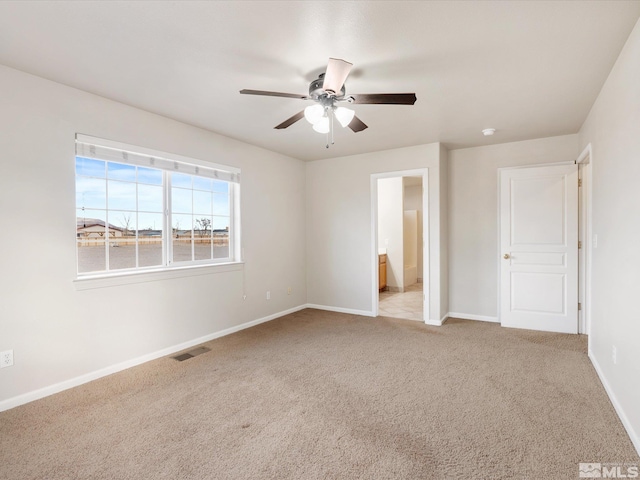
x=322, y=395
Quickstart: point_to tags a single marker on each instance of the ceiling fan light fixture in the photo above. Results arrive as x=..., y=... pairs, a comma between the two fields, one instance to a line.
x=314, y=113
x=322, y=125
x=344, y=115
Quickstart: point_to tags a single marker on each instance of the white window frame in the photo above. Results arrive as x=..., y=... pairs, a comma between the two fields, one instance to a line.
x=167, y=163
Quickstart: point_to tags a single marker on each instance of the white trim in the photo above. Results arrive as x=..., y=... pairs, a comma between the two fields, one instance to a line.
x=101, y=281
x=585, y=155
x=103, y=372
x=471, y=316
x=375, y=257
x=633, y=435
x=351, y=311
x=444, y=318
x=518, y=167
x=586, y=229
x=433, y=323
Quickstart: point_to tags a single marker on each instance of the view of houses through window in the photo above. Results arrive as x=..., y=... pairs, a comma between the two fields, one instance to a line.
x=137, y=217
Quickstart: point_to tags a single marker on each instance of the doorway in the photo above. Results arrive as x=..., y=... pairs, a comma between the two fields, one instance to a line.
x=399, y=226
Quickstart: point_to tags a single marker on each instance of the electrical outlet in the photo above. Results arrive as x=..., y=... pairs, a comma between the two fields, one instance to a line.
x=268, y=295
x=614, y=355
x=289, y=291
x=6, y=358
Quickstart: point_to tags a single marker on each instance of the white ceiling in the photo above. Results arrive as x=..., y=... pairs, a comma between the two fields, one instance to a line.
x=530, y=69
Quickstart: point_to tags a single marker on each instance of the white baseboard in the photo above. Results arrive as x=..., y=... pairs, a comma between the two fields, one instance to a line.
x=470, y=316
x=352, y=311
x=103, y=372
x=633, y=435
x=434, y=323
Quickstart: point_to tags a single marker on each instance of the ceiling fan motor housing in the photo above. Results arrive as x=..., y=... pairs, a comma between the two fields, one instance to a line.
x=317, y=92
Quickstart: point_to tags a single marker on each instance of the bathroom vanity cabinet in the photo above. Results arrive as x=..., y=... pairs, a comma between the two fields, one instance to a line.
x=382, y=272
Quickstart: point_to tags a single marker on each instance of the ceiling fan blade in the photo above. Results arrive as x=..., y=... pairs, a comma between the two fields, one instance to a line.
x=290, y=121
x=336, y=74
x=273, y=94
x=385, y=98
x=357, y=125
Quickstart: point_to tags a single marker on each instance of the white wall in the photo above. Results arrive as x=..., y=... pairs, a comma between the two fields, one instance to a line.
x=613, y=130
x=473, y=216
x=339, y=259
x=390, y=229
x=58, y=332
x=413, y=201
x=410, y=241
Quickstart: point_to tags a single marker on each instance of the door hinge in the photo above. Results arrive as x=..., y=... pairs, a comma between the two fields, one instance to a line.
x=579, y=306
x=579, y=182
x=579, y=244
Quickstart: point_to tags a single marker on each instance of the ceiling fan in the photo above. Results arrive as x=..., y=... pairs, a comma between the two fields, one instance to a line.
x=328, y=91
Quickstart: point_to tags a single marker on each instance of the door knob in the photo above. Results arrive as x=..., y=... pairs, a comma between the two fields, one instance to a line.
x=506, y=256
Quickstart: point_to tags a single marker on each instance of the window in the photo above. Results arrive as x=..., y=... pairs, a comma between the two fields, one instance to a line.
x=138, y=210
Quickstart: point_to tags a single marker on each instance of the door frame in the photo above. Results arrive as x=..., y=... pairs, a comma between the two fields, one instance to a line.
x=420, y=172
x=499, y=227
x=585, y=232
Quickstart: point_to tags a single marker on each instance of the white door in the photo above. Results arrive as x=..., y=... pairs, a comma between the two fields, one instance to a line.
x=539, y=248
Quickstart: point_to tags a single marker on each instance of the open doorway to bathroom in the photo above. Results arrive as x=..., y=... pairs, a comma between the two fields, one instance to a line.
x=400, y=227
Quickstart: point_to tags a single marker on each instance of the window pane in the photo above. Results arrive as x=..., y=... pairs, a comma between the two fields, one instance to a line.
x=220, y=186
x=119, y=171
x=150, y=221
x=90, y=167
x=91, y=192
x=202, y=183
x=202, y=225
x=90, y=233
x=220, y=224
x=122, y=240
x=149, y=239
x=202, y=202
x=181, y=237
x=221, y=204
x=150, y=198
x=221, y=237
x=121, y=195
x=181, y=180
x=122, y=224
x=202, y=238
x=181, y=201
x=91, y=255
x=150, y=176
x=90, y=223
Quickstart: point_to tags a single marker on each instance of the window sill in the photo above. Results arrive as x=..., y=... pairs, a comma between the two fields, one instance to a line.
x=114, y=279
